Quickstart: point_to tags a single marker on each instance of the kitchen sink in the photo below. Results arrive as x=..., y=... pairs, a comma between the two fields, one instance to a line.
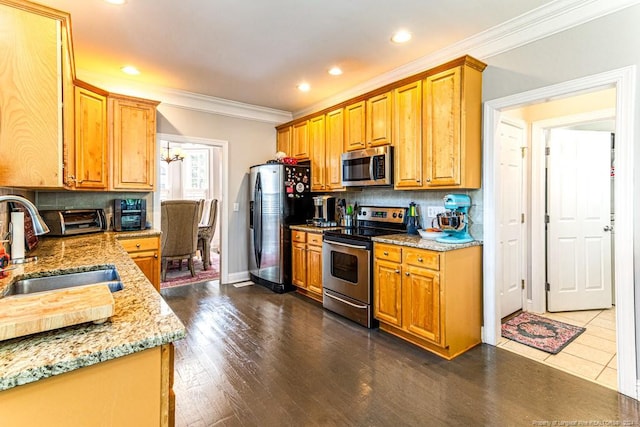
x=107, y=276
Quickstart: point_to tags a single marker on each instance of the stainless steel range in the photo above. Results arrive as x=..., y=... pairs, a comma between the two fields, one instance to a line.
x=347, y=258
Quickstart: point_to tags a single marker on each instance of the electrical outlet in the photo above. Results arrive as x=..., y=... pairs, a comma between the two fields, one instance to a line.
x=433, y=211
x=236, y=207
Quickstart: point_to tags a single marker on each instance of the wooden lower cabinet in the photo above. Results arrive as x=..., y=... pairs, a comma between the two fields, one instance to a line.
x=431, y=299
x=133, y=390
x=306, y=265
x=145, y=252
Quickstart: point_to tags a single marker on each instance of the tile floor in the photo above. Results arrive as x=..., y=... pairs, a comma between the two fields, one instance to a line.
x=591, y=356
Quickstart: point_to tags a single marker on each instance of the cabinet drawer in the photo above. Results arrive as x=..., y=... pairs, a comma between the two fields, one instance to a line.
x=388, y=252
x=140, y=244
x=422, y=258
x=298, y=236
x=314, y=239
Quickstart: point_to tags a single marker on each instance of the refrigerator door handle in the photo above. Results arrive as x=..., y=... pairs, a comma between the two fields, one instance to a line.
x=257, y=229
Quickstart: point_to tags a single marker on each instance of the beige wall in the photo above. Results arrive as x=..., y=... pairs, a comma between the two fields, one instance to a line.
x=250, y=142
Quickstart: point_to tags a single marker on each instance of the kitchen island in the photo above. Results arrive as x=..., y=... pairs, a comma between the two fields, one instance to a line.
x=116, y=373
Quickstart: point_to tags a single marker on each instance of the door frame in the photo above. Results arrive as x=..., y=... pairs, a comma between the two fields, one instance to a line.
x=623, y=80
x=223, y=205
x=538, y=194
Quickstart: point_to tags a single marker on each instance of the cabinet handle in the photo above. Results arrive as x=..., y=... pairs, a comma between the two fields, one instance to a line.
x=386, y=253
x=428, y=179
x=419, y=259
x=406, y=274
x=155, y=256
x=137, y=245
x=397, y=271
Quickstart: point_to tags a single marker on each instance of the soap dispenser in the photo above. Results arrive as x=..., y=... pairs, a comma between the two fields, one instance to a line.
x=412, y=220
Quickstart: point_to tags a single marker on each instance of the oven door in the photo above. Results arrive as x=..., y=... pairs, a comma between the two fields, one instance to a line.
x=347, y=269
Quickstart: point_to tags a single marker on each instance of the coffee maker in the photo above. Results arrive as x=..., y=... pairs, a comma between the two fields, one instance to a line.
x=324, y=210
x=454, y=221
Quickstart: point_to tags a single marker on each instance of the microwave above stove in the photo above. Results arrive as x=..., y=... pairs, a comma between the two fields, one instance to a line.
x=129, y=214
x=371, y=166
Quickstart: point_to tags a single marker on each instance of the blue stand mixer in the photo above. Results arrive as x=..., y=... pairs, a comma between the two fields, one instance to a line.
x=454, y=221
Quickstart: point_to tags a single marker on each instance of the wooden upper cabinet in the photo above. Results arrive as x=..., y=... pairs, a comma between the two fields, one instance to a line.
x=300, y=140
x=407, y=131
x=284, y=140
x=452, y=127
x=133, y=142
x=317, y=143
x=34, y=66
x=379, y=119
x=89, y=168
x=354, y=126
x=334, y=145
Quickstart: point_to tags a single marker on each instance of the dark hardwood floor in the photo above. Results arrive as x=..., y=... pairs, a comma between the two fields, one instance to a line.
x=255, y=358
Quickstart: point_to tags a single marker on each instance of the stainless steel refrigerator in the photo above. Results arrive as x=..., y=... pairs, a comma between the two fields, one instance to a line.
x=279, y=197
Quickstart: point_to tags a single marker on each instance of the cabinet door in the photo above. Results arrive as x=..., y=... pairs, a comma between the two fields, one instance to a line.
x=421, y=303
x=149, y=263
x=442, y=124
x=133, y=126
x=334, y=147
x=387, y=304
x=284, y=140
x=379, y=118
x=314, y=268
x=300, y=140
x=317, y=143
x=30, y=99
x=354, y=126
x=407, y=131
x=91, y=153
x=299, y=265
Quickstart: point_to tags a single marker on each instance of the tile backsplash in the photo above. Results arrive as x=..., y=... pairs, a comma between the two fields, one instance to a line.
x=423, y=200
x=90, y=200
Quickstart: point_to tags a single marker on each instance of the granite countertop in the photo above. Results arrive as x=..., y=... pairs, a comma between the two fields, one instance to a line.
x=141, y=319
x=418, y=242
x=313, y=228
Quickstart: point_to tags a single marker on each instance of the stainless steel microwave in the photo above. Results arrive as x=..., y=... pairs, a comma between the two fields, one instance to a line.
x=371, y=166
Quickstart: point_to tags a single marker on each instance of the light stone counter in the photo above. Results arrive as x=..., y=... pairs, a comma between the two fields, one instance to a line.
x=141, y=319
x=419, y=242
x=313, y=228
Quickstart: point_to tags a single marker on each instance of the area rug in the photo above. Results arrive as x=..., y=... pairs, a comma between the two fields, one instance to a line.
x=539, y=332
x=177, y=277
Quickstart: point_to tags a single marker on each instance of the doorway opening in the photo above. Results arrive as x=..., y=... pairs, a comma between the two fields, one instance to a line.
x=622, y=81
x=577, y=200
x=200, y=175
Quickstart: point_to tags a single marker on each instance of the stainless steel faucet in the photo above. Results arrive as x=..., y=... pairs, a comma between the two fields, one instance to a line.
x=39, y=226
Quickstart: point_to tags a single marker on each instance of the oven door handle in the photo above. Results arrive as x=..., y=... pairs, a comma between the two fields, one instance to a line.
x=362, y=307
x=331, y=242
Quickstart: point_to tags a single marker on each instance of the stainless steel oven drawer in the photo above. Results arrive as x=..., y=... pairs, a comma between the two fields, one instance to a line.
x=351, y=309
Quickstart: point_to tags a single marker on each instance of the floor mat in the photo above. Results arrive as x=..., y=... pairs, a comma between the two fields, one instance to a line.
x=177, y=277
x=539, y=332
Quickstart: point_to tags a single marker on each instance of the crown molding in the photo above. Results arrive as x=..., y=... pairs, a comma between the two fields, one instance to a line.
x=544, y=21
x=186, y=100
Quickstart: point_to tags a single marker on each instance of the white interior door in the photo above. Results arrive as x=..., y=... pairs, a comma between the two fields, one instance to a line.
x=511, y=245
x=578, y=231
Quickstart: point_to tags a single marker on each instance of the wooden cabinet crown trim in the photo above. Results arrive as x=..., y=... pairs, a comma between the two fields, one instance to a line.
x=463, y=60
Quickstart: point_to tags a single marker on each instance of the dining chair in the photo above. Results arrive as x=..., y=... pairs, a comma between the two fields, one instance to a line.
x=179, y=225
x=207, y=229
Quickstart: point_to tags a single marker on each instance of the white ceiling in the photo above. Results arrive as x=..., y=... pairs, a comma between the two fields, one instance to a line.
x=257, y=51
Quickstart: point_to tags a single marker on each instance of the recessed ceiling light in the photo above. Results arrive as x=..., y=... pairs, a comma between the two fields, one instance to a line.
x=131, y=70
x=304, y=87
x=116, y=1
x=401, y=36
x=335, y=71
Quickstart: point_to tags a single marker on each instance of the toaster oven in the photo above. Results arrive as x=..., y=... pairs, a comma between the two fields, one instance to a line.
x=71, y=222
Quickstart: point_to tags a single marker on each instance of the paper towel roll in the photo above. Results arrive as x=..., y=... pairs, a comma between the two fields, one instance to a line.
x=17, y=235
